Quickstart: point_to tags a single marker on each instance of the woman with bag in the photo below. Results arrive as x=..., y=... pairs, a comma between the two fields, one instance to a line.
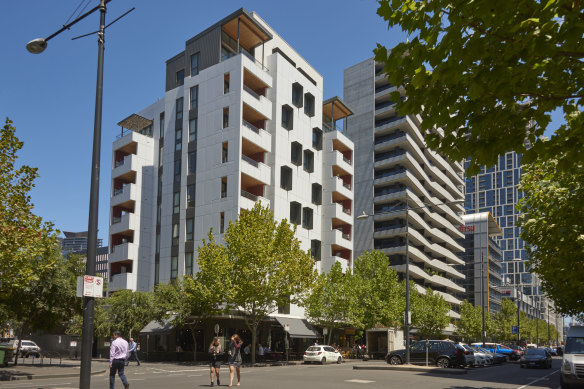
x=235, y=358
x=215, y=363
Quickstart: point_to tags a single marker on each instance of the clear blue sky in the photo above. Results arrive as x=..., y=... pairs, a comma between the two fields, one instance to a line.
x=50, y=96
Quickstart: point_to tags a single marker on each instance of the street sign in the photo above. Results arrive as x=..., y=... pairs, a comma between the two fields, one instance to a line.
x=514, y=330
x=287, y=327
x=89, y=286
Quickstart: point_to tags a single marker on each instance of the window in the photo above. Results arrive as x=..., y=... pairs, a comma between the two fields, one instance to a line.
x=226, y=83
x=223, y=187
x=160, y=156
x=177, y=171
x=296, y=153
x=297, y=91
x=315, y=249
x=190, y=229
x=287, y=119
x=180, y=77
x=286, y=178
x=173, y=267
x=158, y=243
x=195, y=64
x=192, y=160
x=316, y=194
x=194, y=97
x=189, y=264
x=225, y=117
x=190, y=196
x=309, y=104
x=192, y=130
x=161, y=126
x=176, y=203
x=222, y=222
x=308, y=161
x=317, y=138
x=175, y=231
x=295, y=213
x=224, y=152
x=179, y=109
x=178, y=139
x=307, y=214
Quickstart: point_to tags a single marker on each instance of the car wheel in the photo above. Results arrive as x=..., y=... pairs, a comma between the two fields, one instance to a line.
x=323, y=361
x=443, y=362
x=339, y=360
x=563, y=384
x=394, y=360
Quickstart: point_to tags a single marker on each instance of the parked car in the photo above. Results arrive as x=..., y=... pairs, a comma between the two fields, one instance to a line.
x=480, y=359
x=442, y=353
x=536, y=357
x=560, y=350
x=469, y=358
x=322, y=354
x=485, y=355
x=28, y=348
x=496, y=348
x=552, y=351
x=517, y=352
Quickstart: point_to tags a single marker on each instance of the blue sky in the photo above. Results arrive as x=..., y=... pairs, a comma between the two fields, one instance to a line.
x=50, y=96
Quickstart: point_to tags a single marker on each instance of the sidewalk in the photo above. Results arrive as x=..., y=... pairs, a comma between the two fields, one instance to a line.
x=49, y=369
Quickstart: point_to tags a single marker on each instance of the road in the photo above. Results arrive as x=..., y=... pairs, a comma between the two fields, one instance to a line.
x=168, y=376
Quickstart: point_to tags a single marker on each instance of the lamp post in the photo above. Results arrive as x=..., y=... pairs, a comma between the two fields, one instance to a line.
x=37, y=46
x=407, y=315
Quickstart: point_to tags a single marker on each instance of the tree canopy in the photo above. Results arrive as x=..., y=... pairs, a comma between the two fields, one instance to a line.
x=489, y=73
x=552, y=223
x=470, y=324
x=429, y=313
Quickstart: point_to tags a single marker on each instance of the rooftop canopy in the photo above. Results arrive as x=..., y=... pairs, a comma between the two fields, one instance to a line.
x=242, y=25
x=335, y=109
x=135, y=123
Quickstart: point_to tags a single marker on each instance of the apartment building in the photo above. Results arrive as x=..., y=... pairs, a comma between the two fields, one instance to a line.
x=397, y=178
x=242, y=121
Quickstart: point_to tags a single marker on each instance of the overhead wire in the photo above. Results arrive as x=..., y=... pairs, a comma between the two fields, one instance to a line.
x=77, y=9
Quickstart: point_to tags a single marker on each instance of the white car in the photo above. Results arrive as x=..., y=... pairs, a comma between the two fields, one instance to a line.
x=322, y=355
x=487, y=357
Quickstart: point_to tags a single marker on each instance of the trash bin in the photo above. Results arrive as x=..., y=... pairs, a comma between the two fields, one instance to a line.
x=6, y=354
x=2, y=353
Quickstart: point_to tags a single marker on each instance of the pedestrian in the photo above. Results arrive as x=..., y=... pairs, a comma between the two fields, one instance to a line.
x=261, y=352
x=132, y=352
x=247, y=352
x=215, y=363
x=235, y=359
x=118, y=356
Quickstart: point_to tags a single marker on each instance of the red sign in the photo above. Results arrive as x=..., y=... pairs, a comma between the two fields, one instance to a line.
x=466, y=228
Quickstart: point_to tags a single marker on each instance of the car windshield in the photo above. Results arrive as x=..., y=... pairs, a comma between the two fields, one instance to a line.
x=27, y=343
x=574, y=345
x=313, y=348
x=535, y=351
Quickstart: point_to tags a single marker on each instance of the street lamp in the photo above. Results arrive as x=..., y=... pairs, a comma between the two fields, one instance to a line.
x=407, y=315
x=37, y=46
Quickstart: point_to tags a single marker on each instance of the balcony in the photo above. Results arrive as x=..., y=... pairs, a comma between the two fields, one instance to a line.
x=126, y=167
x=123, y=281
x=261, y=105
x=337, y=211
x=124, y=252
x=126, y=222
x=125, y=197
x=258, y=170
x=258, y=136
x=341, y=187
x=248, y=200
x=341, y=164
x=338, y=238
x=384, y=90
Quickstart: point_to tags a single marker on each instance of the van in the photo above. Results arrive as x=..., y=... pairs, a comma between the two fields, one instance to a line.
x=572, y=372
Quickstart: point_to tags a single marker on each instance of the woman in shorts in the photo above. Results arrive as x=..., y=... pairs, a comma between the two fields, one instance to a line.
x=215, y=363
x=235, y=358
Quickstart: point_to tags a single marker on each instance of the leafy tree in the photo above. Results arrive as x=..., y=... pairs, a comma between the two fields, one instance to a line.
x=26, y=242
x=527, y=328
x=186, y=303
x=332, y=302
x=489, y=74
x=129, y=311
x=379, y=292
x=552, y=223
x=261, y=266
x=470, y=324
x=430, y=313
x=505, y=319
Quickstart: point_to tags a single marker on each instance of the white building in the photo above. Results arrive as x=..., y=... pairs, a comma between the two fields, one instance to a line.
x=240, y=122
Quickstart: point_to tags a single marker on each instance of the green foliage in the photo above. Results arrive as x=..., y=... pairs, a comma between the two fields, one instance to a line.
x=26, y=242
x=470, y=324
x=429, y=313
x=379, y=293
x=505, y=319
x=489, y=73
x=129, y=312
x=552, y=225
x=260, y=267
x=332, y=302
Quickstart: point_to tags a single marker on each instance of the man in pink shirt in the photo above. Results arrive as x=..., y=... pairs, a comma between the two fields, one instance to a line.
x=118, y=356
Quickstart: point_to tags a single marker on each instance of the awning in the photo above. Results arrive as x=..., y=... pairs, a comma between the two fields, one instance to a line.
x=155, y=327
x=299, y=328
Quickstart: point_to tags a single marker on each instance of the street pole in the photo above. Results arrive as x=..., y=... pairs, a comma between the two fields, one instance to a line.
x=518, y=304
x=89, y=302
x=537, y=324
x=483, y=299
x=407, y=313
x=548, y=324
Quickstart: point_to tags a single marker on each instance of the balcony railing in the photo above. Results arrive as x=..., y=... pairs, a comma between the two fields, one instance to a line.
x=347, y=236
x=387, y=138
x=251, y=92
x=347, y=160
x=382, y=88
x=118, y=191
x=329, y=127
x=347, y=185
x=119, y=163
x=384, y=104
x=116, y=219
x=249, y=196
x=389, y=120
x=249, y=160
x=347, y=211
x=388, y=155
x=250, y=126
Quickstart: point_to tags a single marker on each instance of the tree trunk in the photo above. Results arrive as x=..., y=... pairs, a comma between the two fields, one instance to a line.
x=330, y=335
x=254, y=335
x=194, y=342
x=17, y=353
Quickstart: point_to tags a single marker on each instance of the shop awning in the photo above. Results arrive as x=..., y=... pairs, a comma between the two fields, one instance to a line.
x=299, y=328
x=156, y=328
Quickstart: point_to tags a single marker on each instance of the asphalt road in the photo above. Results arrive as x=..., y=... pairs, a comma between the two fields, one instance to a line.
x=168, y=376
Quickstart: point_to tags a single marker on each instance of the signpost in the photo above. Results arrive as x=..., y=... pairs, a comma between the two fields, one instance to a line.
x=287, y=343
x=89, y=286
x=514, y=330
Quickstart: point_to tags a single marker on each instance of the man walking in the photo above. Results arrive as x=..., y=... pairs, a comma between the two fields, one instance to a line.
x=133, y=352
x=118, y=356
